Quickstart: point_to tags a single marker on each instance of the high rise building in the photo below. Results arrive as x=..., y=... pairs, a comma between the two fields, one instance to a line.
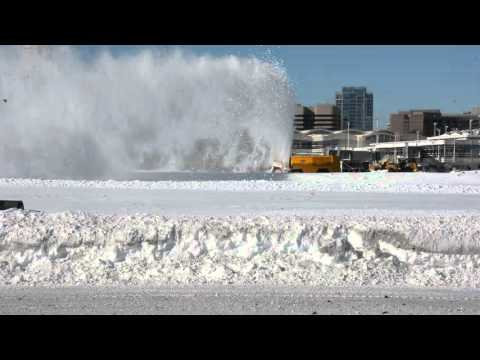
x=356, y=107
x=321, y=116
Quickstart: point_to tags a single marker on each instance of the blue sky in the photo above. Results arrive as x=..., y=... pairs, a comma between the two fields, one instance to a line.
x=400, y=77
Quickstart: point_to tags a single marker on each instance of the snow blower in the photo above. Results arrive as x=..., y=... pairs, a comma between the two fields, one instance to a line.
x=11, y=204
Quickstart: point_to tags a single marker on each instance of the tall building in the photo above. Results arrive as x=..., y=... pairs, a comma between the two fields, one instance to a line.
x=321, y=116
x=356, y=107
x=405, y=124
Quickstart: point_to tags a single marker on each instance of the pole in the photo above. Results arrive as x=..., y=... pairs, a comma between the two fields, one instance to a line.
x=471, y=153
x=444, y=146
x=434, y=129
x=418, y=135
x=470, y=125
x=438, y=146
x=348, y=134
x=453, y=159
x=395, y=150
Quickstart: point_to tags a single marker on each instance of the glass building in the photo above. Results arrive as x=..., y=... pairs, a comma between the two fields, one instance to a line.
x=356, y=107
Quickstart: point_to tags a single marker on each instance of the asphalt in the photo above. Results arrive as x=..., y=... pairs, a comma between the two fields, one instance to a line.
x=257, y=300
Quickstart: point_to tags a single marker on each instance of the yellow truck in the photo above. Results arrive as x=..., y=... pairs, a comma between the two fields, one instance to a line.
x=314, y=163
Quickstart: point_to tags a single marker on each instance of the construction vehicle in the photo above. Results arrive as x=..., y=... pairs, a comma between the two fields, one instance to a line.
x=430, y=164
x=407, y=165
x=309, y=163
x=403, y=165
x=355, y=166
x=11, y=204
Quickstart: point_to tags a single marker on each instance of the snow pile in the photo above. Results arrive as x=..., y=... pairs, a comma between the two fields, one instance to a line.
x=375, y=182
x=84, y=249
x=70, y=118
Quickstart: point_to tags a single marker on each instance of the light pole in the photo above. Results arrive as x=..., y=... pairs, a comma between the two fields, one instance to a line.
x=418, y=135
x=439, y=132
x=445, y=146
x=471, y=141
x=471, y=153
x=348, y=134
x=395, y=150
x=453, y=159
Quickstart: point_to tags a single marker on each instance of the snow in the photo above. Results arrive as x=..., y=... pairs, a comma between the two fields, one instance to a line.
x=364, y=229
x=85, y=249
x=467, y=182
x=163, y=109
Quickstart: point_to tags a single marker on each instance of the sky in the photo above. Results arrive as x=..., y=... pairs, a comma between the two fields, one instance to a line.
x=400, y=77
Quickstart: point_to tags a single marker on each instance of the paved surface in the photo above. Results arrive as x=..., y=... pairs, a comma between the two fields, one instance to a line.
x=212, y=203
x=237, y=300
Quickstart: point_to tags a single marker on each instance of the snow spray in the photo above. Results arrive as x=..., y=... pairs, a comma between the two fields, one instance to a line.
x=64, y=116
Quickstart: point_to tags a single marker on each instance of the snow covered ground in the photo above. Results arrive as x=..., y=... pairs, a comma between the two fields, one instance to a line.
x=363, y=229
x=443, y=183
x=293, y=194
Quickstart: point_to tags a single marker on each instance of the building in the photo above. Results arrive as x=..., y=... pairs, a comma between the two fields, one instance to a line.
x=303, y=118
x=326, y=116
x=325, y=141
x=454, y=148
x=356, y=108
x=321, y=116
x=407, y=125
x=457, y=121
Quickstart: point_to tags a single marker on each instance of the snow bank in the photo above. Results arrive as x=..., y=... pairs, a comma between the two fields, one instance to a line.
x=445, y=183
x=85, y=249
